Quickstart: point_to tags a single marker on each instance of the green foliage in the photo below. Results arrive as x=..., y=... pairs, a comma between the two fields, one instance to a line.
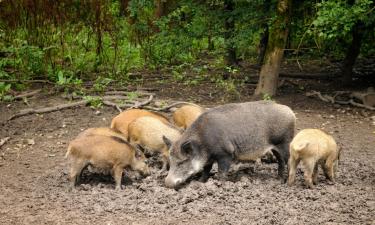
x=267, y=97
x=94, y=102
x=336, y=18
x=4, y=89
x=101, y=83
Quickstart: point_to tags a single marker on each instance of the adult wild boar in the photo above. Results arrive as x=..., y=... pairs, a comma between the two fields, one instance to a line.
x=238, y=131
x=108, y=153
x=121, y=122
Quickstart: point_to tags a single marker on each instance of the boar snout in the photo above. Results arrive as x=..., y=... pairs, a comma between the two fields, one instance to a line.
x=172, y=182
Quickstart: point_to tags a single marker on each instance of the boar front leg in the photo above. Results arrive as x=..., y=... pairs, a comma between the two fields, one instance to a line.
x=117, y=175
x=206, y=172
x=328, y=169
x=223, y=164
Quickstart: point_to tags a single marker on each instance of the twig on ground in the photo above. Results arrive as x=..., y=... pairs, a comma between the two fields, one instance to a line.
x=28, y=94
x=109, y=103
x=3, y=141
x=140, y=104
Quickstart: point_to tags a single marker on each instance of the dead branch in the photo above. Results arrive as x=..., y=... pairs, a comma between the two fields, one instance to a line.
x=3, y=141
x=331, y=99
x=352, y=102
x=109, y=103
x=324, y=98
x=26, y=81
x=28, y=94
x=307, y=75
x=141, y=93
x=168, y=107
x=140, y=104
x=25, y=112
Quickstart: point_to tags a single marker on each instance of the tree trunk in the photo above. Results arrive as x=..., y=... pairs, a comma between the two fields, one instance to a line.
x=352, y=53
x=264, y=36
x=124, y=8
x=230, y=56
x=269, y=73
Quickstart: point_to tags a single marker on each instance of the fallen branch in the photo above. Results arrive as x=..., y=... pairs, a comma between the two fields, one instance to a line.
x=361, y=105
x=331, y=99
x=25, y=112
x=109, y=103
x=26, y=81
x=3, y=141
x=141, y=93
x=138, y=105
x=324, y=98
x=106, y=100
x=28, y=94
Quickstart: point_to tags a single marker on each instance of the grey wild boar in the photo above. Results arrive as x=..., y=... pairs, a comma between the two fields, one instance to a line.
x=314, y=148
x=148, y=133
x=106, y=153
x=121, y=122
x=183, y=117
x=239, y=131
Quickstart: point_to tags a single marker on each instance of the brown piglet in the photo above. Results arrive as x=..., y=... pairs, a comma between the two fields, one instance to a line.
x=183, y=117
x=314, y=148
x=106, y=153
x=121, y=122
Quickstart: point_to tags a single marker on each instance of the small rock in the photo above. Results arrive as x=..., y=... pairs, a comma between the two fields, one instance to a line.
x=97, y=112
x=30, y=142
x=331, y=116
x=104, y=119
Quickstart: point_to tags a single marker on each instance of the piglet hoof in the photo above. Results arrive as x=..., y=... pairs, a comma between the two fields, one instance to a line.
x=118, y=188
x=330, y=182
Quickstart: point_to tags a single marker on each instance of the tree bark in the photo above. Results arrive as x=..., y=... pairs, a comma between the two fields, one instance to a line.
x=278, y=33
x=352, y=53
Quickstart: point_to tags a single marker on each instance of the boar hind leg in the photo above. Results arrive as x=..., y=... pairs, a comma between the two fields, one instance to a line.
x=309, y=168
x=292, y=167
x=223, y=164
x=280, y=162
x=117, y=175
x=206, y=173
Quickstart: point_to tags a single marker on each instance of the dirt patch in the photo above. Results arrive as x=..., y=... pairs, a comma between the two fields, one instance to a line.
x=34, y=185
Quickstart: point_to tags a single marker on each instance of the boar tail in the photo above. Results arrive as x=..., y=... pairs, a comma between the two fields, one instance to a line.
x=113, y=124
x=68, y=152
x=300, y=146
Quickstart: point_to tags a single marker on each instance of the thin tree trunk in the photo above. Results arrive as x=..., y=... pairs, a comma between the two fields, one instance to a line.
x=352, y=53
x=230, y=57
x=264, y=36
x=269, y=73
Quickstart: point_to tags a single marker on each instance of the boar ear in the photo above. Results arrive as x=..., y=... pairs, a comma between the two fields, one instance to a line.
x=167, y=141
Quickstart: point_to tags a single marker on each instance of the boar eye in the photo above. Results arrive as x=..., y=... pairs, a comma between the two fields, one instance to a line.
x=181, y=162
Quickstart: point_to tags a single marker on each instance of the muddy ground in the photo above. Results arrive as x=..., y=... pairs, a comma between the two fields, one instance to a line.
x=34, y=185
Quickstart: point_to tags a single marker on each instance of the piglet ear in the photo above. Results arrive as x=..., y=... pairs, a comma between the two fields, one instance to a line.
x=138, y=153
x=167, y=141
